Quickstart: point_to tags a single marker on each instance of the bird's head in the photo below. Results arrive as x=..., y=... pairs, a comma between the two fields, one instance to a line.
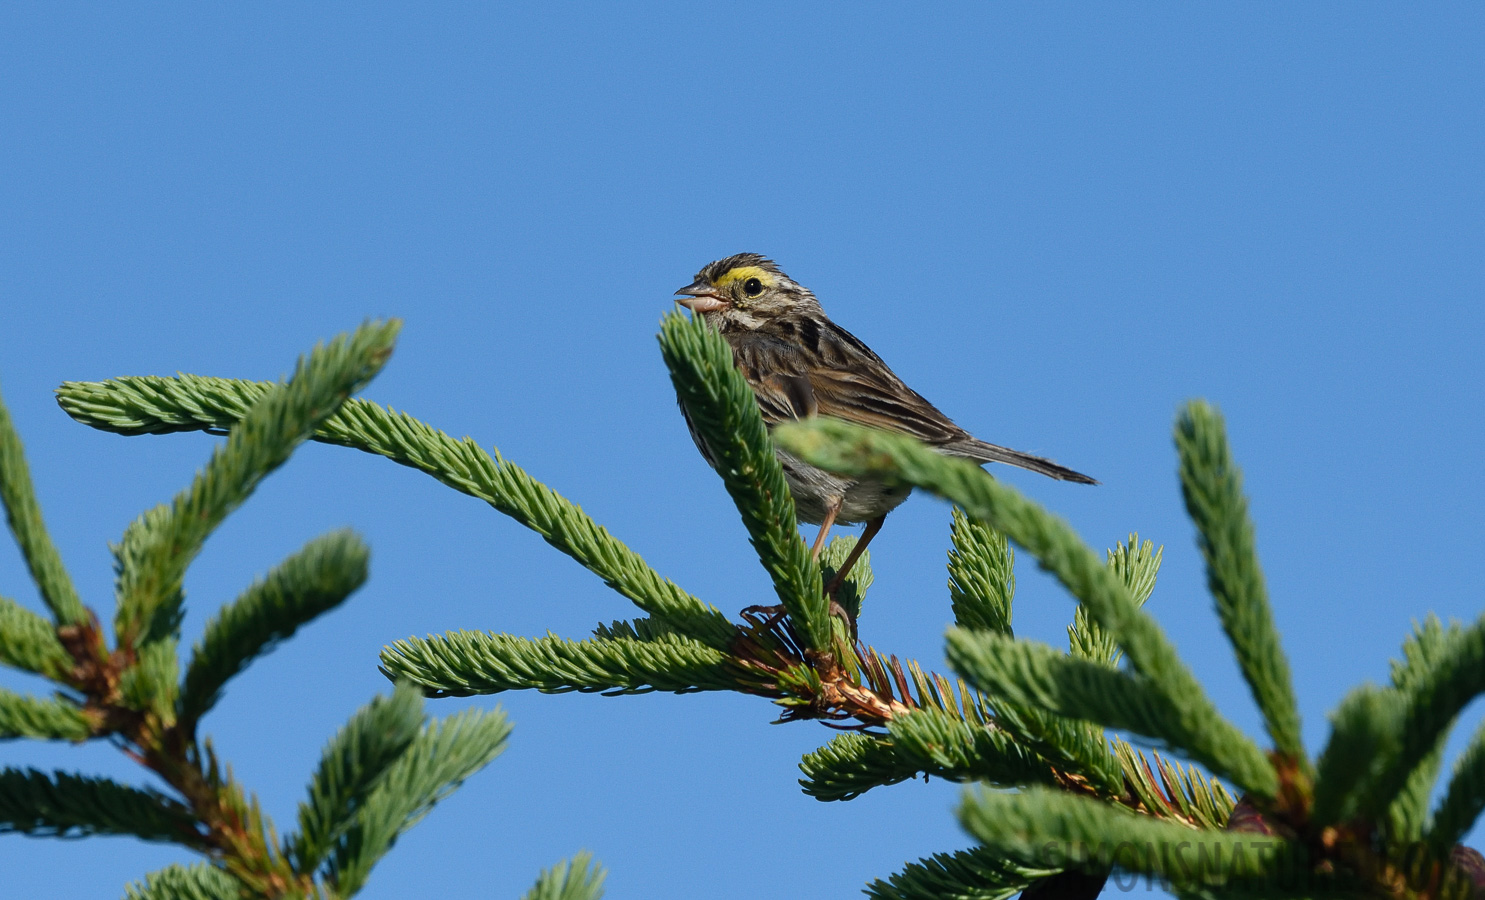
x=745, y=291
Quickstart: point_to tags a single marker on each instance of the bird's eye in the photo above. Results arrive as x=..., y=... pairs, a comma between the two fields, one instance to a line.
x=752, y=287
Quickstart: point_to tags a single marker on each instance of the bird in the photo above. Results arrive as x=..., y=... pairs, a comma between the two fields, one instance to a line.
x=801, y=364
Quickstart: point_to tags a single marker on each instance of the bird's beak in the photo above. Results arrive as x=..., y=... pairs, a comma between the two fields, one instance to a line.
x=701, y=297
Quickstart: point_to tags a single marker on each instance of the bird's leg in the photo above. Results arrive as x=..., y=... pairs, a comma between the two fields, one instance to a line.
x=775, y=613
x=867, y=534
x=831, y=512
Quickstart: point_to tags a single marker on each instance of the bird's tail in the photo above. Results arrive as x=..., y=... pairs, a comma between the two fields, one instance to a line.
x=980, y=451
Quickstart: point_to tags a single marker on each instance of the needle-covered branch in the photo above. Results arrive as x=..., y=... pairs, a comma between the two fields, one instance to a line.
x=379, y=775
x=1054, y=829
x=153, y=405
x=1203, y=732
x=51, y=719
x=23, y=515
x=29, y=642
x=576, y=879
x=351, y=765
x=1136, y=565
x=1464, y=798
x=1213, y=488
x=975, y=874
x=67, y=805
x=982, y=577
x=1408, y=814
x=176, y=882
x=311, y=582
x=158, y=547
x=440, y=758
x=461, y=663
x=721, y=407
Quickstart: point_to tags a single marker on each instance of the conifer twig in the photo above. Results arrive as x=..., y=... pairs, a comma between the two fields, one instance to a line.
x=725, y=413
x=1213, y=489
x=1203, y=732
x=23, y=515
x=153, y=405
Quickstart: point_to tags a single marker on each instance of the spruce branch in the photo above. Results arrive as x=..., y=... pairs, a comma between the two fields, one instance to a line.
x=1053, y=829
x=461, y=663
x=67, y=805
x=1025, y=677
x=311, y=582
x=1212, y=486
x=1204, y=733
x=576, y=879
x=723, y=410
x=1364, y=730
x=151, y=684
x=442, y=756
x=959, y=750
x=177, y=882
x=1463, y=800
x=157, y=549
x=23, y=515
x=53, y=719
x=1430, y=702
x=974, y=874
x=852, y=764
x=1408, y=815
x=350, y=767
x=982, y=576
x=153, y=405
x=29, y=642
x=1136, y=565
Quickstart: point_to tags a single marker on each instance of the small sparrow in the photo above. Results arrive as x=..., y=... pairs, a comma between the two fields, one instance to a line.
x=801, y=364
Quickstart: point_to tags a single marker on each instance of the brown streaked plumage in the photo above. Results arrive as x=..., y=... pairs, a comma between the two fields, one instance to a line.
x=801, y=364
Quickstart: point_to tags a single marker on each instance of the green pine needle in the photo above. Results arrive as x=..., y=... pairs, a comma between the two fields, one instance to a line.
x=1205, y=735
x=1212, y=485
x=982, y=576
x=1432, y=703
x=177, y=882
x=23, y=515
x=461, y=663
x=724, y=411
x=852, y=764
x=29, y=642
x=350, y=767
x=151, y=684
x=311, y=582
x=445, y=753
x=576, y=879
x=1463, y=800
x=956, y=750
x=1040, y=827
x=1407, y=817
x=48, y=720
x=157, y=548
x=67, y=805
x=1136, y=565
x=153, y=405
x=974, y=874
x=1365, y=734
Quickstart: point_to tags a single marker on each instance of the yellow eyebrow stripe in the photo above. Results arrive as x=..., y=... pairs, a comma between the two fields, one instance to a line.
x=743, y=272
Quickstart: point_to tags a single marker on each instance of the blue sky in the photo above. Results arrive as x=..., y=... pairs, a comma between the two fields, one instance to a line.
x=1056, y=222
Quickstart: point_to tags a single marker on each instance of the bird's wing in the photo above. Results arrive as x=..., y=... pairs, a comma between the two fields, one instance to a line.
x=828, y=371
x=851, y=382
